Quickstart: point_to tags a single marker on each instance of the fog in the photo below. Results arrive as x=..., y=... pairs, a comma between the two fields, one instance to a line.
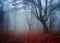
x=16, y=16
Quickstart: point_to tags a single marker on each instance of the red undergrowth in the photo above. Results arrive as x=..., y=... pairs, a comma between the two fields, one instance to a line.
x=29, y=37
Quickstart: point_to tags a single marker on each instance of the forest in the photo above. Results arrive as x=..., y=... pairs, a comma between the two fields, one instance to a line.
x=30, y=21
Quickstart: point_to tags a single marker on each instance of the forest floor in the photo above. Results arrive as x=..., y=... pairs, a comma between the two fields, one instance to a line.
x=29, y=37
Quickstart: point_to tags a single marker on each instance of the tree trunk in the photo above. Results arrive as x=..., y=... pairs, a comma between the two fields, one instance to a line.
x=29, y=27
x=50, y=26
x=45, y=26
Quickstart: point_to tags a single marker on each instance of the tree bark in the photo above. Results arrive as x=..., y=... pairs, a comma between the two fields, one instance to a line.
x=44, y=26
x=29, y=27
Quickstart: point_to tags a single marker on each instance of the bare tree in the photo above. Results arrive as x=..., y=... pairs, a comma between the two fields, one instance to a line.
x=29, y=24
x=43, y=14
x=29, y=18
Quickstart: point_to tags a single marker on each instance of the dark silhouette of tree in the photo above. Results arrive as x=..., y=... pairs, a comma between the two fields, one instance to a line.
x=1, y=16
x=43, y=13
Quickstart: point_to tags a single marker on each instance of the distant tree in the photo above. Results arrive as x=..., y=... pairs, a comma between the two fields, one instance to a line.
x=29, y=17
x=1, y=16
x=54, y=19
x=15, y=3
x=52, y=12
x=1, y=12
x=29, y=23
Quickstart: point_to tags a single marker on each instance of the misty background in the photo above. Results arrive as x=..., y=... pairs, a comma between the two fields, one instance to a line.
x=17, y=15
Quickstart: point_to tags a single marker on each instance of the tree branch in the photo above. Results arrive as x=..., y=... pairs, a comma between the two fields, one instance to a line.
x=54, y=8
x=45, y=12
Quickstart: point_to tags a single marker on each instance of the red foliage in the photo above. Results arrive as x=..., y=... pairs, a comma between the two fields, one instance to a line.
x=29, y=37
